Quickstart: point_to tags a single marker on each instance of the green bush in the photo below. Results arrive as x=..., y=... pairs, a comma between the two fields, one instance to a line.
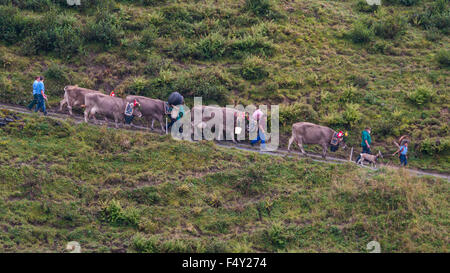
x=57, y=73
x=349, y=94
x=401, y=2
x=276, y=237
x=436, y=15
x=211, y=47
x=390, y=27
x=13, y=26
x=434, y=146
x=253, y=68
x=421, y=95
x=361, y=33
x=250, y=44
x=443, y=57
x=297, y=112
x=113, y=213
x=262, y=8
x=362, y=6
x=61, y=34
x=104, y=28
x=212, y=86
x=149, y=35
x=351, y=115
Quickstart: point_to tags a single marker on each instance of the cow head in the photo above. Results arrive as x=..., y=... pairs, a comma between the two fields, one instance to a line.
x=137, y=109
x=175, y=111
x=342, y=140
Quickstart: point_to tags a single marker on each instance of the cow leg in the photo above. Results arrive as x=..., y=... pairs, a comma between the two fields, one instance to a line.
x=86, y=115
x=290, y=143
x=116, y=121
x=324, y=151
x=161, y=122
x=300, y=145
x=61, y=104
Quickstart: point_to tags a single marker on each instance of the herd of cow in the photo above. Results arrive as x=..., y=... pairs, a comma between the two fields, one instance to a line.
x=150, y=109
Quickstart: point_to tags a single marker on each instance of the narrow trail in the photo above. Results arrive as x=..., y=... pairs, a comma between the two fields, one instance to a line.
x=222, y=144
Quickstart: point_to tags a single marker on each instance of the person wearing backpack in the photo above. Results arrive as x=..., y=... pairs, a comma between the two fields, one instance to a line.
x=402, y=151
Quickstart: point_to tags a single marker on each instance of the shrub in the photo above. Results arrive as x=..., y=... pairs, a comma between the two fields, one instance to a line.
x=276, y=237
x=359, y=81
x=253, y=68
x=361, y=33
x=297, y=112
x=104, y=28
x=436, y=16
x=54, y=33
x=258, y=7
x=349, y=94
x=211, y=47
x=145, y=195
x=362, y=6
x=390, y=27
x=113, y=213
x=351, y=115
x=211, y=85
x=401, y=2
x=12, y=24
x=250, y=44
x=149, y=35
x=56, y=72
x=433, y=146
x=443, y=57
x=421, y=95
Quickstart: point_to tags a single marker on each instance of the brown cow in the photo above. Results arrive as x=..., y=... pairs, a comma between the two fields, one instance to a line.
x=309, y=133
x=151, y=109
x=74, y=96
x=108, y=106
x=208, y=113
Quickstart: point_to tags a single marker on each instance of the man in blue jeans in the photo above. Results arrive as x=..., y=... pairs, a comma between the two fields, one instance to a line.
x=39, y=95
x=258, y=119
x=35, y=93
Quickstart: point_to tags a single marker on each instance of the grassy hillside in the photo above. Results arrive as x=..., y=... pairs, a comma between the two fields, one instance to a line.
x=122, y=191
x=337, y=63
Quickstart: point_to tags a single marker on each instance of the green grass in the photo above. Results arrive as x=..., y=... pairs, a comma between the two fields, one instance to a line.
x=124, y=191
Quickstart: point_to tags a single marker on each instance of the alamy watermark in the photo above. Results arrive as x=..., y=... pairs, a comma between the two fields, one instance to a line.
x=74, y=2
x=373, y=2
x=373, y=247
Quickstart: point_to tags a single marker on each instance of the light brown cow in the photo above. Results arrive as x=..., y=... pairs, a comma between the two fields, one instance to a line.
x=108, y=106
x=208, y=112
x=151, y=109
x=74, y=96
x=310, y=133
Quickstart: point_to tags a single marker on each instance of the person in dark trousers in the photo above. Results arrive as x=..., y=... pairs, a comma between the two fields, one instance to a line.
x=35, y=93
x=39, y=95
x=366, y=140
x=402, y=151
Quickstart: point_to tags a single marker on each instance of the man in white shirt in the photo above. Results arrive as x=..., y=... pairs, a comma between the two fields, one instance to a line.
x=258, y=119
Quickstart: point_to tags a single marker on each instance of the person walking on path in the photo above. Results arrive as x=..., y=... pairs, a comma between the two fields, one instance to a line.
x=402, y=151
x=42, y=97
x=257, y=122
x=366, y=140
x=35, y=93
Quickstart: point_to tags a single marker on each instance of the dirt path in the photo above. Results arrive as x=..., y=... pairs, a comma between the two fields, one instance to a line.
x=223, y=144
